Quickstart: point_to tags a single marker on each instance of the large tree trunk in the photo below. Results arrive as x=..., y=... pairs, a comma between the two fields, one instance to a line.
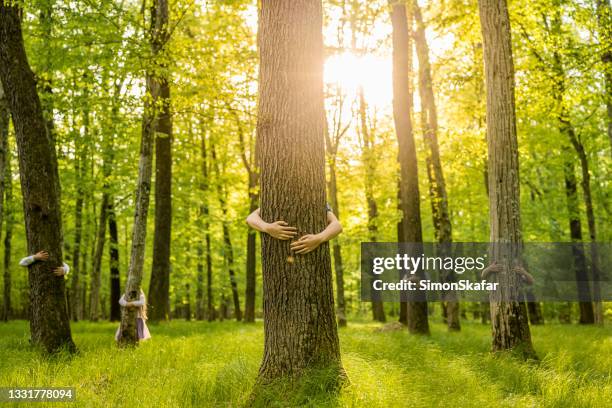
x=299, y=325
x=414, y=313
x=437, y=186
x=369, y=162
x=113, y=248
x=508, y=316
x=159, y=22
x=49, y=322
x=5, y=185
x=159, y=288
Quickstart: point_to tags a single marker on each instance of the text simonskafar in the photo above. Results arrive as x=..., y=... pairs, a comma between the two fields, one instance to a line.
x=426, y=284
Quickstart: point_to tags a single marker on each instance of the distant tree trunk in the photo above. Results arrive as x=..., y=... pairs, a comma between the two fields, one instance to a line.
x=508, y=316
x=113, y=248
x=332, y=191
x=248, y=160
x=228, y=249
x=205, y=213
x=45, y=82
x=369, y=162
x=251, y=262
x=159, y=21
x=299, y=324
x=96, y=280
x=414, y=314
x=188, y=302
x=49, y=321
x=437, y=186
x=604, y=19
x=159, y=288
x=8, y=234
x=76, y=307
x=573, y=207
x=5, y=194
x=199, y=313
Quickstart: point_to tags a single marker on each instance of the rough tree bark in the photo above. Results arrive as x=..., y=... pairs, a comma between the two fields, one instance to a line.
x=508, y=316
x=437, y=185
x=49, y=322
x=414, y=314
x=299, y=324
x=159, y=288
x=159, y=18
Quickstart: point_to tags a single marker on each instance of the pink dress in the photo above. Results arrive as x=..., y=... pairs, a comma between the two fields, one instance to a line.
x=141, y=326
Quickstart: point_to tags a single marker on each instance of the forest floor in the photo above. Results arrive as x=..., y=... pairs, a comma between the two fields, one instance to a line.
x=204, y=364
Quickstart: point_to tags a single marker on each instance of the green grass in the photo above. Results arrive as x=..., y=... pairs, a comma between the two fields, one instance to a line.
x=203, y=364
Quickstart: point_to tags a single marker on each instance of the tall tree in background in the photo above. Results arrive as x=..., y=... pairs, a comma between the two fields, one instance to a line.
x=414, y=314
x=508, y=316
x=49, y=321
x=604, y=20
x=157, y=35
x=299, y=324
x=437, y=186
x=332, y=142
x=228, y=249
x=368, y=157
x=113, y=247
x=159, y=289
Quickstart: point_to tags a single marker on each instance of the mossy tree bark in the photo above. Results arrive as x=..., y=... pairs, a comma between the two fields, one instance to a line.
x=299, y=322
x=508, y=315
x=49, y=321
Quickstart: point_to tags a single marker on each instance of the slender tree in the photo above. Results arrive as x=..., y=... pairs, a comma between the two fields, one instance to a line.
x=159, y=289
x=299, y=325
x=437, y=185
x=604, y=20
x=159, y=18
x=5, y=118
x=508, y=315
x=49, y=321
x=414, y=313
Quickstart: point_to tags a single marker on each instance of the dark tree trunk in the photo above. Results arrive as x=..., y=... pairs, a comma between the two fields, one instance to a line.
x=414, y=313
x=159, y=288
x=113, y=248
x=604, y=19
x=204, y=211
x=437, y=185
x=5, y=198
x=251, y=266
x=508, y=316
x=159, y=22
x=76, y=306
x=49, y=321
x=299, y=323
x=228, y=249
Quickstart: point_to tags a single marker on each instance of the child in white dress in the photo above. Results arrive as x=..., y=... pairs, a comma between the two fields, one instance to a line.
x=141, y=316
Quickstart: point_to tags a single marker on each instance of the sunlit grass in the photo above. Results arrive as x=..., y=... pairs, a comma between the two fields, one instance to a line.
x=203, y=364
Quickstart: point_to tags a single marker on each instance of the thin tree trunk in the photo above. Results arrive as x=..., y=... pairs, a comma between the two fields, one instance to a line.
x=251, y=266
x=49, y=321
x=413, y=313
x=604, y=19
x=204, y=210
x=8, y=234
x=299, y=324
x=508, y=315
x=96, y=278
x=76, y=307
x=437, y=186
x=159, y=288
x=228, y=249
x=159, y=22
x=113, y=249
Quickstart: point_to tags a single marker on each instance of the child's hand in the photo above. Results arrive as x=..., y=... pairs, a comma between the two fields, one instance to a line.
x=59, y=271
x=281, y=230
x=306, y=244
x=41, y=256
